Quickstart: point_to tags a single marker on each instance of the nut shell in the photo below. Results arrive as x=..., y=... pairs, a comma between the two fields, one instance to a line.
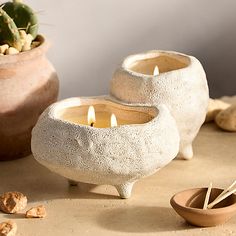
x=12, y=202
x=36, y=212
x=8, y=228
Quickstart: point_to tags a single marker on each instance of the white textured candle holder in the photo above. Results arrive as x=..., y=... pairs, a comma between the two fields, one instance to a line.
x=181, y=85
x=117, y=156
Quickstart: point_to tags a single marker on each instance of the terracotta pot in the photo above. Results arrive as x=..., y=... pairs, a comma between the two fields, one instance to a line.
x=181, y=85
x=28, y=85
x=189, y=203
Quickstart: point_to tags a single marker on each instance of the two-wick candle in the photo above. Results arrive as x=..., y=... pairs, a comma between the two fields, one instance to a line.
x=91, y=117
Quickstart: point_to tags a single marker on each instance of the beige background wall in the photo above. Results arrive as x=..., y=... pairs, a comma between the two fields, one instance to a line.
x=91, y=37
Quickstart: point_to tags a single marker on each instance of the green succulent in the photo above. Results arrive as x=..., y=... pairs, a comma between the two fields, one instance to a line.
x=15, y=16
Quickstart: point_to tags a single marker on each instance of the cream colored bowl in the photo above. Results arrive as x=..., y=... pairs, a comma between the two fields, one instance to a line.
x=145, y=140
x=181, y=86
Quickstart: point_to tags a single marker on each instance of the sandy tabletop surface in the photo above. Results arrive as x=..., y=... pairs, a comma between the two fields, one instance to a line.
x=99, y=211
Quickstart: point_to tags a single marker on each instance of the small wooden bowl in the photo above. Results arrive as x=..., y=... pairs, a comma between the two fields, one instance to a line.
x=189, y=204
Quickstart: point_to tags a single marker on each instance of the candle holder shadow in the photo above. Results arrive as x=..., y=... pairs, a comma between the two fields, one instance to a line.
x=145, y=140
x=189, y=203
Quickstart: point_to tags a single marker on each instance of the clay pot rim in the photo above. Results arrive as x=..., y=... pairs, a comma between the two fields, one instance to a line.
x=28, y=55
x=209, y=212
x=55, y=108
x=152, y=54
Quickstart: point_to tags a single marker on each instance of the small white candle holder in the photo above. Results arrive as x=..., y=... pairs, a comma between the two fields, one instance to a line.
x=179, y=82
x=145, y=140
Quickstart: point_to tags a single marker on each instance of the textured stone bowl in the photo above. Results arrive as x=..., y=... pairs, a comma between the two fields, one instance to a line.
x=119, y=156
x=189, y=203
x=181, y=86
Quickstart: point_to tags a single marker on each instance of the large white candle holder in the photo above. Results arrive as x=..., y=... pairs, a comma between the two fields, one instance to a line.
x=180, y=84
x=145, y=140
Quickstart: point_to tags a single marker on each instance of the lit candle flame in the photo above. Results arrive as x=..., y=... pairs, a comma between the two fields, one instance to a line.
x=156, y=71
x=91, y=116
x=113, y=120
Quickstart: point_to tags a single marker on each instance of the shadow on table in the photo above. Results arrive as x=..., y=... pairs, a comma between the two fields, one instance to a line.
x=39, y=184
x=15, y=216
x=142, y=219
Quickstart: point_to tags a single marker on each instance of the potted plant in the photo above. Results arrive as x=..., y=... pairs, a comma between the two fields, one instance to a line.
x=28, y=81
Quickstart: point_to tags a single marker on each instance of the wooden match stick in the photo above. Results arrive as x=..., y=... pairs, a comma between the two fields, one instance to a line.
x=221, y=198
x=226, y=190
x=207, y=196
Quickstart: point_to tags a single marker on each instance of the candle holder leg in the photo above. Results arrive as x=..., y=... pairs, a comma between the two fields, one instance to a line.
x=186, y=152
x=125, y=189
x=72, y=182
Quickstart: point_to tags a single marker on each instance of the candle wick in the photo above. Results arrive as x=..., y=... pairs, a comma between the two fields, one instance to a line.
x=92, y=124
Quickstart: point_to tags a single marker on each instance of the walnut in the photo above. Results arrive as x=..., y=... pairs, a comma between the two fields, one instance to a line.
x=8, y=228
x=12, y=202
x=36, y=212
